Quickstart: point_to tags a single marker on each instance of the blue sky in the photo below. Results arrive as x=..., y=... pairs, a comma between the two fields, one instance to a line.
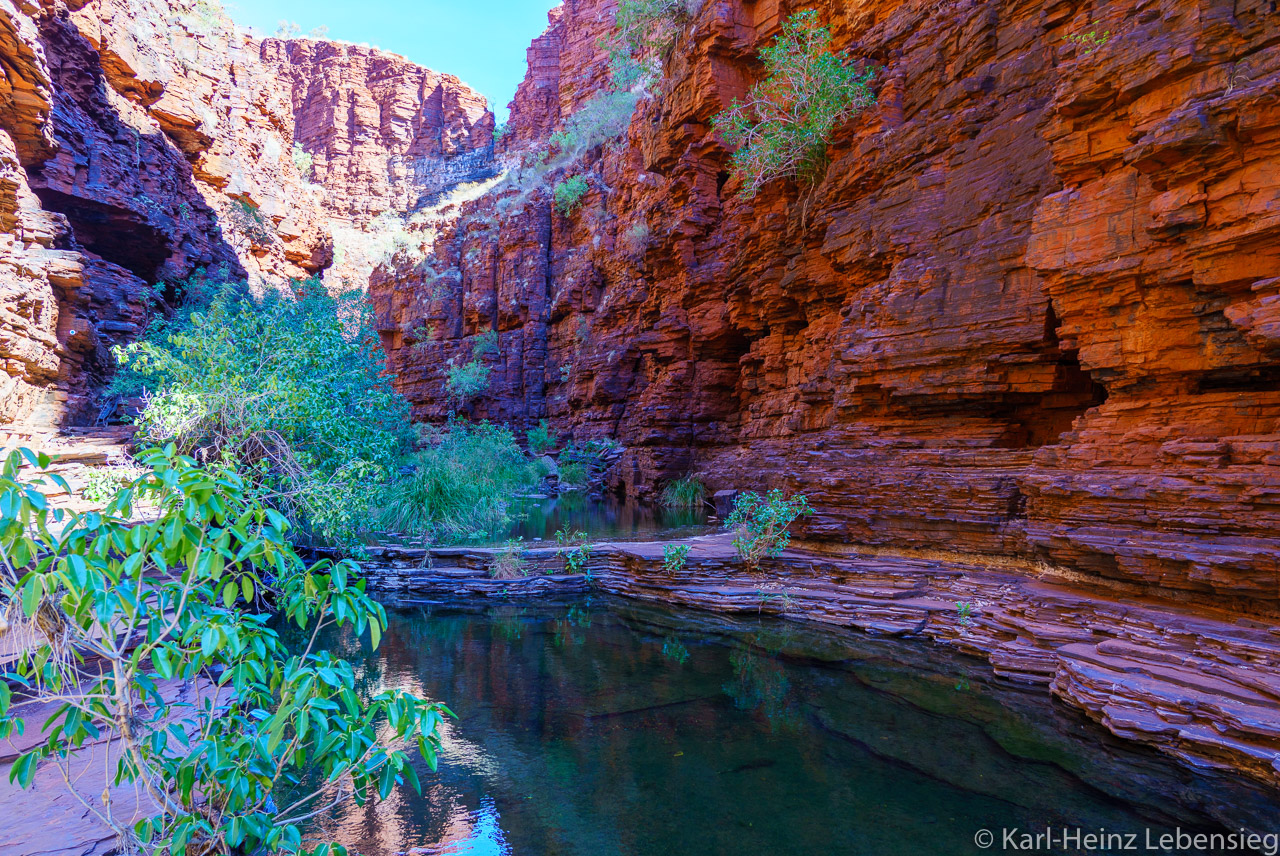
x=481, y=41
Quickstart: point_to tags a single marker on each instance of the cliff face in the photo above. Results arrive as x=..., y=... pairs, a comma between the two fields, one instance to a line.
x=1030, y=311
x=140, y=141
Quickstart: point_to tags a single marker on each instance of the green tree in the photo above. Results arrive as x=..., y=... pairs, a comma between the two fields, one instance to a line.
x=466, y=382
x=644, y=35
x=784, y=125
x=111, y=614
x=292, y=389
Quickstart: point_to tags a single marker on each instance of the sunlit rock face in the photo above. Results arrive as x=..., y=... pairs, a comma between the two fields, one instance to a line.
x=1030, y=311
x=141, y=141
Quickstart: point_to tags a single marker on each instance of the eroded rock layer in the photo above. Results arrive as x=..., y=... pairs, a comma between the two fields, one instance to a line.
x=142, y=140
x=1029, y=311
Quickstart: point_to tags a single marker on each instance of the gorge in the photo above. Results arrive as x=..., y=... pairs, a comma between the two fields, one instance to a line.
x=1019, y=345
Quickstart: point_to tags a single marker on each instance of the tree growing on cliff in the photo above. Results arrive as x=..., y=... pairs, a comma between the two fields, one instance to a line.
x=644, y=35
x=783, y=126
x=290, y=388
x=465, y=382
x=147, y=643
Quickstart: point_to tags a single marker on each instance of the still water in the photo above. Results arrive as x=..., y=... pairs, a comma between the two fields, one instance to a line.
x=604, y=519
x=604, y=727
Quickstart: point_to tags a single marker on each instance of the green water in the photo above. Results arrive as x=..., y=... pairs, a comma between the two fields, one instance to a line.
x=603, y=727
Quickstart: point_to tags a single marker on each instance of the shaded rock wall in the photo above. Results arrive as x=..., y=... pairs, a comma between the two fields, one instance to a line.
x=1028, y=312
x=142, y=140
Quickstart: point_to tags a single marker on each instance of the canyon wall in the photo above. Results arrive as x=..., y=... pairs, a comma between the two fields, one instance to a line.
x=143, y=140
x=1028, y=314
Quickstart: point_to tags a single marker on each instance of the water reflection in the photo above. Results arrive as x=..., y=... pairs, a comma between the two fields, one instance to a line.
x=603, y=518
x=606, y=727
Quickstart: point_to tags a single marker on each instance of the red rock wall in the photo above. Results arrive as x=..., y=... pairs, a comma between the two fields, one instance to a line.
x=1028, y=313
x=140, y=141
x=384, y=133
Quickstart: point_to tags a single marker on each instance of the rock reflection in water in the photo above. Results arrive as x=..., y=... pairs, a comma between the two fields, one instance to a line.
x=609, y=727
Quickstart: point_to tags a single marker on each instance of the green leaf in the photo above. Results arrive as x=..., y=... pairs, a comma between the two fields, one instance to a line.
x=23, y=771
x=31, y=594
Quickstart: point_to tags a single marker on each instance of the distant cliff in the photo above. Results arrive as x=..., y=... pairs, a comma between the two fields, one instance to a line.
x=141, y=140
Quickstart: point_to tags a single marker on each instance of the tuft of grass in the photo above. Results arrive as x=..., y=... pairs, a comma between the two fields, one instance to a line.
x=508, y=563
x=461, y=486
x=685, y=492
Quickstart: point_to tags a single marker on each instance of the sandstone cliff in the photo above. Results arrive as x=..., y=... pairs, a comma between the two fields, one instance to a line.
x=141, y=140
x=1028, y=313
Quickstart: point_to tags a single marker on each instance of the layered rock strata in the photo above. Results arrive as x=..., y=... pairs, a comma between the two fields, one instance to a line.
x=1027, y=313
x=142, y=141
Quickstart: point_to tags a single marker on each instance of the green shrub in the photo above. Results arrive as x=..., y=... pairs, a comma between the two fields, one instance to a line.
x=466, y=382
x=1090, y=41
x=248, y=219
x=685, y=492
x=577, y=553
x=762, y=523
x=303, y=161
x=423, y=335
x=574, y=473
x=485, y=344
x=261, y=738
x=569, y=194
x=602, y=118
x=783, y=126
x=644, y=34
x=540, y=440
x=673, y=649
x=580, y=464
x=102, y=483
x=291, y=389
x=461, y=486
x=674, y=557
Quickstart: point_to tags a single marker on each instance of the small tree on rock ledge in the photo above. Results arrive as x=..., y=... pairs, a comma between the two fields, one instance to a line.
x=783, y=127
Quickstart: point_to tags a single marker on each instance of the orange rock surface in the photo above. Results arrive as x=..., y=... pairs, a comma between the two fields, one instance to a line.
x=1030, y=311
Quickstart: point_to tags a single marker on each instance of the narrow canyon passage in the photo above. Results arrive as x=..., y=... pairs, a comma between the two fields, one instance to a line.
x=974, y=340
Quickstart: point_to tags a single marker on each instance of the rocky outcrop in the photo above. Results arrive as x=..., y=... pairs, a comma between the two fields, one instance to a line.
x=383, y=136
x=1028, y=312
x=140, y=142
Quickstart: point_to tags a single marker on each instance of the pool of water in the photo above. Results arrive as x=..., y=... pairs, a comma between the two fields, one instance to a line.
x=603, y=727
x=604, y=519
